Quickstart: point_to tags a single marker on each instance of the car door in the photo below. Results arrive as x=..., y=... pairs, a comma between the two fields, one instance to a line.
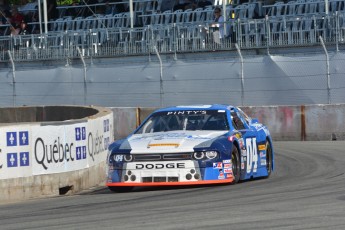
x=249, y=145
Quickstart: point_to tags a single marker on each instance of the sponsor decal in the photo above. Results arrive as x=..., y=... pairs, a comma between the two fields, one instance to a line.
x=187, y=112
x=80, y=133
x=242, y=165
x=119, y=158
x=24, y=138
x=46, y=154
x=81, y=152
x=11, y=138
x=59, y=150
x=228, y=171
x=160, y=166
x=221, y=174
x=95, y=145
x=244, y=152
x=226, y=161
x=106, y=125
x=80, y=136
x=106, y=129
x=242, y=143
x=228, y=165
x=236, y=136
x=263, y=162
x=169, y=136
x=17, y=159
x=24, y=158
x=252, y=156
x=164, y=144
x=262, y=154
x=217, y=165
x=262, y=147
x=12, y=160
x=231, y=138
x=228, y=176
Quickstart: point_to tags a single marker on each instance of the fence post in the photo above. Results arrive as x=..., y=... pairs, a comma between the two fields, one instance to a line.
x=85, y=85
x=161, y=92
x=337, y=30
x=328, y=74
x=242, y=73
x=13, y=78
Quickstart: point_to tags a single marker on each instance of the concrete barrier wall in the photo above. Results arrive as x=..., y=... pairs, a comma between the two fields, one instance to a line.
x=24, y=188
x=52, y=157
x=44, y=113
x=286, y=123
x=310, y=122
x=325, y=122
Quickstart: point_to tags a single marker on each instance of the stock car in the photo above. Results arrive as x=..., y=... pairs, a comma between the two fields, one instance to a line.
x=191, y=145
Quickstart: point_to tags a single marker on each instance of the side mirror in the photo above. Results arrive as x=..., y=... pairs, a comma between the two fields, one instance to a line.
x=254, y=120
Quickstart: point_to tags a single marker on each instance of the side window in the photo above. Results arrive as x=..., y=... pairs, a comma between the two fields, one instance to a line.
x=236, y=121
x=245, y=116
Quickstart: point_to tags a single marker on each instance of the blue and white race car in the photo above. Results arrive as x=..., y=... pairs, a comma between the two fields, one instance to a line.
x=189, y=145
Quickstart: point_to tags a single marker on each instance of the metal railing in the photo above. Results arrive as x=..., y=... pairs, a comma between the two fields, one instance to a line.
x=175, y=38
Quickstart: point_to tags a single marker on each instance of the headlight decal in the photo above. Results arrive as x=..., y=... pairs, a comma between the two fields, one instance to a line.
x=206, y=155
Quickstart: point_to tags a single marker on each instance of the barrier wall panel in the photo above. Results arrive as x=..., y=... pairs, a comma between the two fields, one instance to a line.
x=125, y=120
x=325, y=122
x=284, y=122
x=144, y=113
x=201, y=78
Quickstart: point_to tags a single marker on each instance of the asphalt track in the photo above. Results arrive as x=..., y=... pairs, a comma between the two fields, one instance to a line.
x=306, y=191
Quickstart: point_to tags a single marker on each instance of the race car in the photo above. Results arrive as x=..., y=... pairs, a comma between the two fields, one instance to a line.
x=191, y=145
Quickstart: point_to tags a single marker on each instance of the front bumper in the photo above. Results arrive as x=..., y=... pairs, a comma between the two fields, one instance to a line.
x=165, y=173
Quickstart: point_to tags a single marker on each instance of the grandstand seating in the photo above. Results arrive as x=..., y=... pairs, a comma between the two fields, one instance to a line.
x=298, y=22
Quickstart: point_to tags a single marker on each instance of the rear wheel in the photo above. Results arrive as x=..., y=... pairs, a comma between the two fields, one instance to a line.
x=236, y=164
x=120, y=188
x=268, y=158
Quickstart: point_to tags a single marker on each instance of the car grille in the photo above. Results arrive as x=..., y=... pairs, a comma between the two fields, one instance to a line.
x=159, y=179
x=147, y=157
x=162, y=156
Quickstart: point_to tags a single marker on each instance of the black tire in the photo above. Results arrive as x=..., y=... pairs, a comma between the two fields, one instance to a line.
x=236, y=164
x=120, y=189
x=268, y=159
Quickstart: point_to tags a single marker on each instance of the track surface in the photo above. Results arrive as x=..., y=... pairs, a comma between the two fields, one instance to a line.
x=306, y=191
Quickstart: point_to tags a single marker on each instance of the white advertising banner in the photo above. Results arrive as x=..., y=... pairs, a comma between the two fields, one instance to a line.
x=27, y=150
x=70, y=147
x=58, y=149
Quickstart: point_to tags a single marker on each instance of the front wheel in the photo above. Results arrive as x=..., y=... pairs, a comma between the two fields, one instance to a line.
x=268, y=159
x=236, y=164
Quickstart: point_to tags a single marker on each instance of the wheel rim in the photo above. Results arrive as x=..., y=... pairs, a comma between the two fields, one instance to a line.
x=235, y=165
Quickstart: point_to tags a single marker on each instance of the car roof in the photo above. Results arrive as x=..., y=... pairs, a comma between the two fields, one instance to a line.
x=197, y=107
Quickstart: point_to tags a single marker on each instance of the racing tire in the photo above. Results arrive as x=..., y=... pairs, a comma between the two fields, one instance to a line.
x=268, y=159
x=236, y=165
x=120, y=189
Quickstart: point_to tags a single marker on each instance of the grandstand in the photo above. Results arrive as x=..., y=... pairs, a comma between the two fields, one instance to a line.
x=165, y=58
x=250, y=25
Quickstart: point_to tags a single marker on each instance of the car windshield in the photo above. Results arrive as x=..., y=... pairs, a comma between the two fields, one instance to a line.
x=185, y=120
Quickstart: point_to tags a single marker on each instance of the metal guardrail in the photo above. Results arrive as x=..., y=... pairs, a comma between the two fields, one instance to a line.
x=175, y=38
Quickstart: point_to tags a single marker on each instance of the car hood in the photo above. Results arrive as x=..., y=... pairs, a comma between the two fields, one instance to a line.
x=165, y=142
